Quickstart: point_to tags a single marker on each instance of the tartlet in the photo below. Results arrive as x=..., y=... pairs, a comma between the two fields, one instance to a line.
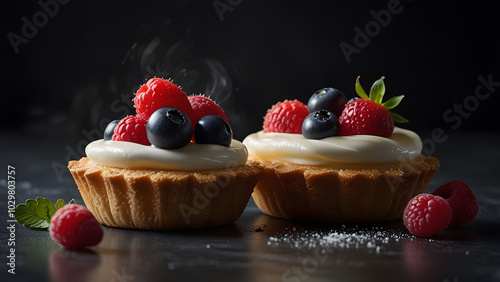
x=163, y=199
x=356, y=178
x=167, y=168
x=292, y=191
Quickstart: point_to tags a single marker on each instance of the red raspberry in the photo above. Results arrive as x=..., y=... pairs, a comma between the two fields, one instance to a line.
x=365, y=117
x=427, y=215
x=158, y=93
x=131, y=129
x=74, y=227
x=286, y=117
x=204, y=106
x=462, y=200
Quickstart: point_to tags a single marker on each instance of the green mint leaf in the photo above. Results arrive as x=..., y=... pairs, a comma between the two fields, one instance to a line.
x=359, y=89
x=60, y=203
x=377, y=91
x=399, y=119
x=72, y=201
x=393, y=102
x=36, y=214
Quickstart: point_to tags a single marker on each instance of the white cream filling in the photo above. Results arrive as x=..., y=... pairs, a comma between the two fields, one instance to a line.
x=190, y=157
x=403, y=145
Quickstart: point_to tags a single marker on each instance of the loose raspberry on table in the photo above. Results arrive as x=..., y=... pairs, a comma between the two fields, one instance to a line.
x=427, y=215
x=462, y=200
x=74, y=227
x=131, y=129
x=204, y=106
x=286, y=117
x=158, y=93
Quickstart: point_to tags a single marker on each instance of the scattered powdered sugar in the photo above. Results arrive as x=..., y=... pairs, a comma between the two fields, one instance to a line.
x=373, y=237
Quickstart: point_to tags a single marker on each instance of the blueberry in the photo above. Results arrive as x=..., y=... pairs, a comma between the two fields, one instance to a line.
x=169, y=128
x=110, y=129
x=213, y=130
x=330, y=99
x=320, y=124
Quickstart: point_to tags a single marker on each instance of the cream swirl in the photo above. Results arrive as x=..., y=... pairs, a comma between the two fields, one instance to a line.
x=190, y=157
x=403, y=145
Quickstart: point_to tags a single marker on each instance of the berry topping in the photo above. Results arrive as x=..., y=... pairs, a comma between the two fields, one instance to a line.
x=286, y=117
x=368, y=115
x=365, y=117
x=169, y=128
x=320, y=124
x=204, y=106
x=330, y=99
x=462, y=200
x=110, y=130
x=74, y=227
x=131, y=129
x=213, y=129
x=158, y=93
x=427, y=215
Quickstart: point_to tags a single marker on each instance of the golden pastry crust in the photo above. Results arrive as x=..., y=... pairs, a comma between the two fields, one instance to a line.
x=159, y=199
x=375, y=192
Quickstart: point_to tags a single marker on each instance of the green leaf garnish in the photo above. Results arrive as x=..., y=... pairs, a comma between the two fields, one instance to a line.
x=393, y=102
x=377, y=93
x=359, y=89
x=399, y=119
x=36, y=214
x=60, y=203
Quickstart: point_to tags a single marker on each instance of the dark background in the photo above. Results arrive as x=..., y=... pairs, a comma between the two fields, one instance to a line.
x=81, y=68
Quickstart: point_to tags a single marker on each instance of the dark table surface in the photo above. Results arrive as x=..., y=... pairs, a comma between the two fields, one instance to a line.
x=257, y=247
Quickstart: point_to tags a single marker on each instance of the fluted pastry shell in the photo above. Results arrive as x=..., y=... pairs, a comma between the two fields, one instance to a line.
x=357, y=193
x=159, y=199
